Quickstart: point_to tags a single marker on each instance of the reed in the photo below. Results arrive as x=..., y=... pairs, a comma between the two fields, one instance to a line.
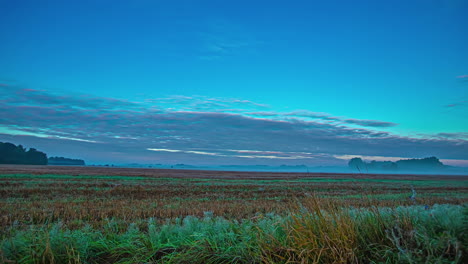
x=409, y=234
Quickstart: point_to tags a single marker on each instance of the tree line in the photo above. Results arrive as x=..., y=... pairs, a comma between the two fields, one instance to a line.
x=65, y=161
x=12, y=154
x=429, y=163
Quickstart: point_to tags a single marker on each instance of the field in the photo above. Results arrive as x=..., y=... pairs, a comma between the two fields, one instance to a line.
x=108, y=215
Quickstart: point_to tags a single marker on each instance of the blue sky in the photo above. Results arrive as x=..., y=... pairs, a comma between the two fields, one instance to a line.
x=329, y=78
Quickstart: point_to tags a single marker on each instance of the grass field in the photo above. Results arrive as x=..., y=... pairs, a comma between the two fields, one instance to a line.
x=109, y=215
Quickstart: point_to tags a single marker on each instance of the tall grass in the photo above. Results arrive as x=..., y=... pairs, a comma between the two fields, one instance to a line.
x=413, y=234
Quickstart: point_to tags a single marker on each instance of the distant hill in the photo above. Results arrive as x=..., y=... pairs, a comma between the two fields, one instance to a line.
x=65, y=161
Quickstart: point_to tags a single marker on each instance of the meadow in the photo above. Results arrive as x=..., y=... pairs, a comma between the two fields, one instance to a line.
x=116, y=215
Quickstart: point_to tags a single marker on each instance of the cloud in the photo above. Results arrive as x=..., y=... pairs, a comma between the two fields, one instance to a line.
x=368, y=158
x=182, y=129
x=369, y=123
x=459, y=135
x=204, y=103
x=462, y=76
x=164, y=150
x=461, y=103
x=262, y=113
x=315, y=115
x=352, y=121
x=221, y=38
x=249, y=154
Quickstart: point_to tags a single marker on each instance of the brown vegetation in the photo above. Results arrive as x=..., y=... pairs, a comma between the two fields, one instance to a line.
x=76, y=195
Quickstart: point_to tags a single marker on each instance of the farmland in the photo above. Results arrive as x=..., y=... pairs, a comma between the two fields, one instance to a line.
x=160, y=216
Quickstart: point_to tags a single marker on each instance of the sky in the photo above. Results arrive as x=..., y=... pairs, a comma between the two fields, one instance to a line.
x=236, y=82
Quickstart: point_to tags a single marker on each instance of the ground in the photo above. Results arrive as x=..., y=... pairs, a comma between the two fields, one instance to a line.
x=89, y=197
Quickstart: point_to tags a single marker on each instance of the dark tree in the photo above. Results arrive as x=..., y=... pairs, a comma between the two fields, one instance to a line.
x=381, y=165
x=357, y=163
x=11, y=154
x=65, y=161
x=420, y=164
x=425, y=164
x=35, y=157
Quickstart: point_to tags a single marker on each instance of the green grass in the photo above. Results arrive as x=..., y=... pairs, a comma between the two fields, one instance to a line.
x=377, y=235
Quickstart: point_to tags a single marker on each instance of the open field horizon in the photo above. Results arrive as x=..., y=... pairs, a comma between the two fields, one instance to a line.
x=219, y=173
x=62, y=192
x=127, y=215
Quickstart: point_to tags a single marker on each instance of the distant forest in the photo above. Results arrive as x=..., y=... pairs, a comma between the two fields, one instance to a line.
x=12, y=154
x=431, y=163
x=65, y=161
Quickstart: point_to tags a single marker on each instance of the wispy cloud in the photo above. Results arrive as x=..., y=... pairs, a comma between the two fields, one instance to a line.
x=314, y=115
x=204, y=103
x=368, y=158
x=185, y=151
x=327, y=118
x=460, y=135
x=369, y=123
x=248, y=154
x=165, y=150
x=263, y=113
x=221, y=38
x=461, y=103
x=200, y=130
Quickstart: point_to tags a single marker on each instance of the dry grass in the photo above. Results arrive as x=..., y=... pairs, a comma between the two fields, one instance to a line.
x=98, y=215
x=81, y=195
